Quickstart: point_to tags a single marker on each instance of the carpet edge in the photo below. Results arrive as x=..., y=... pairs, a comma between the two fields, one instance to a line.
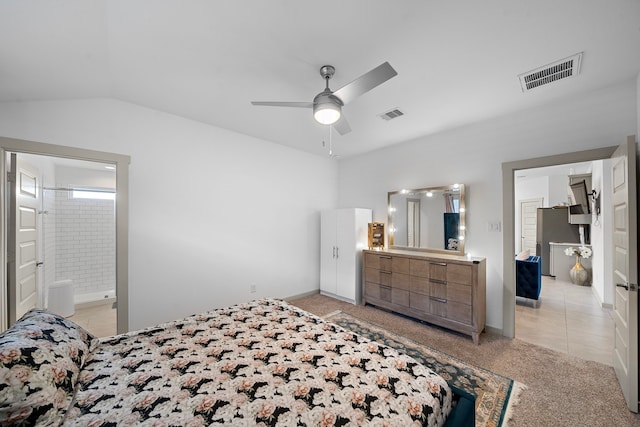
x=514, y=399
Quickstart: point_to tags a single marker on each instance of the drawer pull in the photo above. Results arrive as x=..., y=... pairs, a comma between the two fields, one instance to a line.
x=385, y=257
x=385, y=272
x=439, y=299
x=444, y=264
x=441, y=282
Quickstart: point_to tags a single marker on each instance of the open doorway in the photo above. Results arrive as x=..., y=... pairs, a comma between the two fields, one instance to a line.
x=75, y=240
x=623, y=246
x=569, y=317
x=117, y=266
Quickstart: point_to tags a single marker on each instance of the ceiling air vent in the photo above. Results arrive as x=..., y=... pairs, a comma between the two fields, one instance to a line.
x=392, y=114
x=562, y=69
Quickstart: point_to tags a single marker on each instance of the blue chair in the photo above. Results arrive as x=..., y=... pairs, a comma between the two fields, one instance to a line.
x=529, y=277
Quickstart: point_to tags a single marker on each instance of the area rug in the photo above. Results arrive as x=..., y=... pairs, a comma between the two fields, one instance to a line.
x=495, y=394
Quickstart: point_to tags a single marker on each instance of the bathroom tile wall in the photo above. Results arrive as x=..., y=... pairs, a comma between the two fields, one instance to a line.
x=85, y=243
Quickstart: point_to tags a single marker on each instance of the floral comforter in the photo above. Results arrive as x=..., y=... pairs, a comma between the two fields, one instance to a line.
x=261, y=363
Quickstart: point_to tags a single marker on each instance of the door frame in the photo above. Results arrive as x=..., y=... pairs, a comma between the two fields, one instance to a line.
x=122, y=215
x=508, y=219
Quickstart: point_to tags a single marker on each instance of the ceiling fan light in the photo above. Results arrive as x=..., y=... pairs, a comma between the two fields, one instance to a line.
x=327, y=113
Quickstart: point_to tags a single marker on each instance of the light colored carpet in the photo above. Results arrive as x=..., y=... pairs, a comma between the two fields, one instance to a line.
x=561, y=390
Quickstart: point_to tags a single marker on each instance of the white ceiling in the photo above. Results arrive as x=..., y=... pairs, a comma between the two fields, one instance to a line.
x=457, y=62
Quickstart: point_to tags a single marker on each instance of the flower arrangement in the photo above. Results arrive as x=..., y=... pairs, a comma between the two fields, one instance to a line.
x=582, y=252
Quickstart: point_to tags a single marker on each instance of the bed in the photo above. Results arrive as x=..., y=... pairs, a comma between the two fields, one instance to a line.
x=261, y=363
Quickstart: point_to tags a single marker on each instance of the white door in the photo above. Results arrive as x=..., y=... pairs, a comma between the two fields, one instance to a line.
x=528, y=224
x=24, y=191
x=625, y=271
x=328, y=249
x=345, y=257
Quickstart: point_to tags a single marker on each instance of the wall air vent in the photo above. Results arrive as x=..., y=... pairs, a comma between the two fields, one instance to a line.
x=392, y=114
x=562, y=69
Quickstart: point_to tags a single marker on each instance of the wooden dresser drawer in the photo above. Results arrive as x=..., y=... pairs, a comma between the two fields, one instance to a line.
x=419, y=267
x=400, y=297
x=385, y=263
x=385, y=278
x=438, y=271
x=438, y=307
x=459, y=273
x=385, y=293
x=400, y=265
x=459, y=293
x=459, y=312
x=438, y=290
x=419, y=302
x=419, y=285
x=372, y=275
x=376, y=291
x=371, y=290
x=400, y=281
x=372, y=261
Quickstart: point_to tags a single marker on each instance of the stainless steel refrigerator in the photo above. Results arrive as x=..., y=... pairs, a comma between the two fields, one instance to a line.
x=553, y=226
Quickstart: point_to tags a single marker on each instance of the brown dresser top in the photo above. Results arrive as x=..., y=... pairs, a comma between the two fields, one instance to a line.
x=427, y=255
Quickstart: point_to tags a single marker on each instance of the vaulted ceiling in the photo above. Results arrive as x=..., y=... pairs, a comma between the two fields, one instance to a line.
x=457, y=62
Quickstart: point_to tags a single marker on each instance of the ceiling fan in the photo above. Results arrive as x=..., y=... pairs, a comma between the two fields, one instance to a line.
x=327, y=105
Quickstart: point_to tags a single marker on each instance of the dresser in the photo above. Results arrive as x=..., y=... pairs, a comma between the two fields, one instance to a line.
x=446, y=290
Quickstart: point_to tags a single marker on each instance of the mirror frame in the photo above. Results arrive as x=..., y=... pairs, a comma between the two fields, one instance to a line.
x=462, y=230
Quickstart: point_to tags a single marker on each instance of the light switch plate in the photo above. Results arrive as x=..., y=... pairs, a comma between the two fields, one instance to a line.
x=494, y=226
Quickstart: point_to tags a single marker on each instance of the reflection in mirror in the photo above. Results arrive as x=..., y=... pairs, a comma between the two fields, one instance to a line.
x=430, y=219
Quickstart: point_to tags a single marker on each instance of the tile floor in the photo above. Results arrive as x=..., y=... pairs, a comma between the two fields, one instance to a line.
x=98, y=319
x=569, y=319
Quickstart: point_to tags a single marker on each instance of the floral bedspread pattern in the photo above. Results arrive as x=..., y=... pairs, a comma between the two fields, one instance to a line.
x=41, y=357
x=261, y=363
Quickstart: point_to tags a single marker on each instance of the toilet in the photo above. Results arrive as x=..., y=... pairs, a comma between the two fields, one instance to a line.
x=60, y=297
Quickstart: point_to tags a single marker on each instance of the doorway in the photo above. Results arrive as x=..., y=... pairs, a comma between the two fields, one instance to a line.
x=508, y=218
x=121, y=163
x=76, y=276
x=623, y=208
x=569, y=318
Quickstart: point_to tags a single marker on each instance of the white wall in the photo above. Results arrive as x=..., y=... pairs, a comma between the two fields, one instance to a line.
x=559, y=190
x=83, y=177
x=211, y=211
x=473, y=155
x=600, y=241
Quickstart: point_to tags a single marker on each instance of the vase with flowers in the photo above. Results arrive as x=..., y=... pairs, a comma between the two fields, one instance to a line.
x=578, y=274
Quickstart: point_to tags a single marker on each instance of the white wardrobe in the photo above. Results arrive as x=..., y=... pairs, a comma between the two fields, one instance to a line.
x=343, y=237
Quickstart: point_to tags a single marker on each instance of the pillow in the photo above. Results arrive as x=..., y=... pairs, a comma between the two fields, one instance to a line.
x=523, y=255
x=41, y=356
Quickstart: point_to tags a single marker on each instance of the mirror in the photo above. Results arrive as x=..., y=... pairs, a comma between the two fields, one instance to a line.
x=428, y=219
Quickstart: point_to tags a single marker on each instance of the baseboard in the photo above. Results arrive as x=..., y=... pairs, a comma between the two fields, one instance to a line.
x=95, y=303
x=492, y=330
x=302, y=295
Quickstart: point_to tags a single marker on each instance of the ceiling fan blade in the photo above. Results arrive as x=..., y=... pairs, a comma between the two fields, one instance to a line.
x=342, y=126
x=284, y=104
x=365, y=82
